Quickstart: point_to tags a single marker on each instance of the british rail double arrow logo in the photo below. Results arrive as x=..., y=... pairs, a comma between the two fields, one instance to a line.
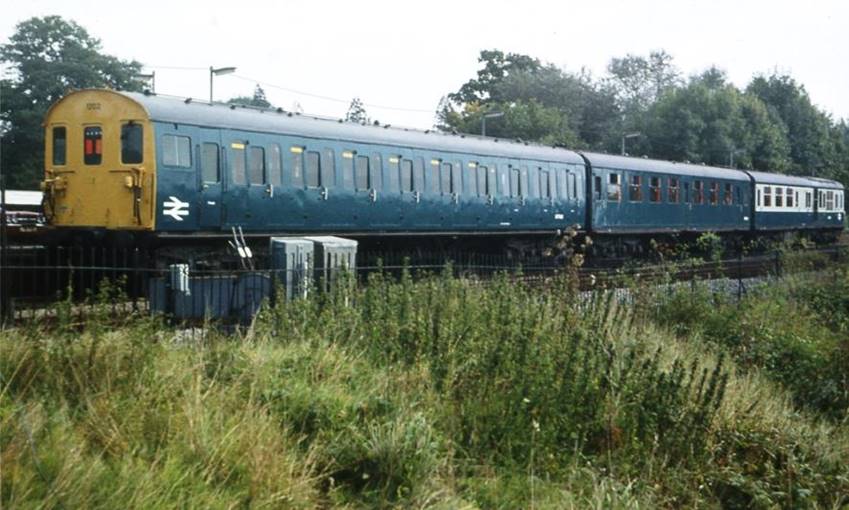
x=175, y=208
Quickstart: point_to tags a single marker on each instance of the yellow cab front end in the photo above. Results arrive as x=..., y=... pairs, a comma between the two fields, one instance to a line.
x=99, y=162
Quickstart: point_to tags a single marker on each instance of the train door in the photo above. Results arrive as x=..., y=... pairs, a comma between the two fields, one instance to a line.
x=235, y=179
x=209, y=155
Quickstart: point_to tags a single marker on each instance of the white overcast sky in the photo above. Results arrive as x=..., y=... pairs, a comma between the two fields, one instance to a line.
x=406, y=55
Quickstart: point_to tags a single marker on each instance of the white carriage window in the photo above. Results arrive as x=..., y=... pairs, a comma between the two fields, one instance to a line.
x=789, y=197
x=176, y=151
x=808, y=199
x=779, y=197
x=614, y=191
x=759, y=198
x=767, y=196
x=829, y=201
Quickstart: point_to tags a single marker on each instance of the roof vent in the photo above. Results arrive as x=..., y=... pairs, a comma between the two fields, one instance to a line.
x=427, y=131
x=147, y=92
x=289, y=114
x=645, y=157
x=232, y=107
x=340, y=121
x=376, y=122
x=386, y=126
x=279, y=110
x=188, y=100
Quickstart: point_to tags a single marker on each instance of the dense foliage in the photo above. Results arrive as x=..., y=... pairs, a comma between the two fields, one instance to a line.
x=771, y=125
x=437, y=392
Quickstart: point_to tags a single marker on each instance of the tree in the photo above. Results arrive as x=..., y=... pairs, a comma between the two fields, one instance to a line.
x=357, y=112
x=640, y=81
x=258, y=99
x=48, y=57
x=709, y=119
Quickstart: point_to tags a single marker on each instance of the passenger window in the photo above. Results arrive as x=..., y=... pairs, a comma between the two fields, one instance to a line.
x=361, y=173
x=274, y=170
x=654, y=189
x=209, y=168
x=515, y=183
x=789, y=193
x=686, y=192
x=614, y=190
x=406, y=175
x=256, y=165
x=297, y=166
x=672, y=190
x=714, y=193
x=93, y=145
x=533, y=181
x=348, y=169
x=237, y=166
x=635, y=192
x=418, y=174
x=698, y=192
x=445, y=178
x=767, y=196
x=544, y=184
x=483, y=184
x=375, y=175
x=759, y=198
x=471, y=173
x=131, y=143
x=313, y=170
x=491, y=180
x=573, y=186
x=434, y=178
x=394, y=174
x=807, y=199
x=779, y=197
x=728, y=198
x=597, y=185
x=176, y=150
x=328, y=168
x=60, y=145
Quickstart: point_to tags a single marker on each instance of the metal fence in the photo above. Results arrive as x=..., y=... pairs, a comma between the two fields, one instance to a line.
x=39, y=283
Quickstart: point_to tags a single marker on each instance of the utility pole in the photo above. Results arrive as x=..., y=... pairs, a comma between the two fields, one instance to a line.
x=731, y=154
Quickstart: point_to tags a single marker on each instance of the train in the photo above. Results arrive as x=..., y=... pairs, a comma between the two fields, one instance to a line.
x=141, y=167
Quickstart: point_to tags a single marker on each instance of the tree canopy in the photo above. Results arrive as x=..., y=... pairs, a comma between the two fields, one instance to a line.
x=47, y=57
x=357, y=112
x=258, y=99
x=770, y=125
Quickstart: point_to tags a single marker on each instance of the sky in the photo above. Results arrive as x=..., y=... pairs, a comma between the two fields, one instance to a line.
x=400, y=57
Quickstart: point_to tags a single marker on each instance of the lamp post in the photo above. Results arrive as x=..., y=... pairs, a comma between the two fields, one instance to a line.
x=150, y=77
x=731, y=154
x=625, y=137
x=493, y=115
x=217, y=72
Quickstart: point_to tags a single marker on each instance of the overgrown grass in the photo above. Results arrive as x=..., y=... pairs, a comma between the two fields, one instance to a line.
x=434, y=392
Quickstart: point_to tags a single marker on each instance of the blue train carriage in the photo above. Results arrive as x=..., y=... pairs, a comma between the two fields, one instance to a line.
x=645, y=197
x=789, y=203
x=179, y=169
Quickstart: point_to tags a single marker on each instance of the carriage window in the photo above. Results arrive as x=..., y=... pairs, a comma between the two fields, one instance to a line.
x=672, y=190
x=445, y=178
x=375, y=172
x=779, y=196
x=131, y=143
x=759, y=198
x=256, y=165
x=272, y=166
x=654, y=189
x=829, y=201
x=209, y=169
x=237, y=167
x=515, y=183
x=418, y=174
x=93, y=145
x=532, y=178
x=313, y=171
x=714, y=193
x=808, y=200
x=176, y=150
x=433, y=178
x=698, y=192
x=471, y=174
x=767, y=196
x=635, y=192
x=361, y=173
x=406, y=175
x=597, y=187
x=483, y=184
x=297, y=166
x=491, y=180
x=394, y=174
x=328, y=168
x=573, y=185
x=544, y=184
x=727, y=197
x=348, y=170
x=59, y=145
x=789, y=197
x=737, y=194
x=614, y=192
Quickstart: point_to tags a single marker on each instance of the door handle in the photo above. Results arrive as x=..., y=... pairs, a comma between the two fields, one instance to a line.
x=372, y=194
x=204, y=186
x=324, y=193
x=417, y=196
x=269, y=190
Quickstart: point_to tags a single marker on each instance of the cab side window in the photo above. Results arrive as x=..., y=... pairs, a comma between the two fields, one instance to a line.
x=131, y=143
x=60, y=145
